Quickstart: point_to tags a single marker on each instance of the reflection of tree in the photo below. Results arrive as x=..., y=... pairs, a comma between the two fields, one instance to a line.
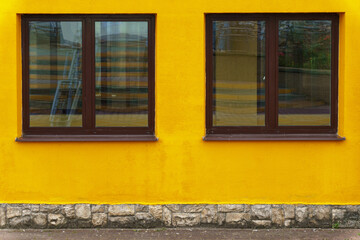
x=305, y=44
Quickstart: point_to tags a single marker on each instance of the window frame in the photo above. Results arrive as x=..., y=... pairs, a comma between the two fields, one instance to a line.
x=271, y=129
x=88, y=83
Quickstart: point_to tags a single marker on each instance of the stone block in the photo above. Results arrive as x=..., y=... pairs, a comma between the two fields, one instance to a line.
x=98, y=208
x=39, y=219
x=185, y=219
x=277, y=216
x=301, y=214
x=289, y=223
x=338, y=214
x=261, y=211
x=289, y=211
x=238, y=218
x=35, y=207
x=52, y=208
x=230, y=208
x=122, y=222
x=221, y=219
x=144, y=219
x=2, y=217
x=20, y=222
x=156, y=211
x=56, y=220
x=99, y=219
x=209, y=214
x=69, y=211
x=82, y=211
x=141, y=208
x=121, y=210
x=261, y=223
x=167, y=216
x=174, y=207
x=193, y=208
x=26, y=212
x=13, y=212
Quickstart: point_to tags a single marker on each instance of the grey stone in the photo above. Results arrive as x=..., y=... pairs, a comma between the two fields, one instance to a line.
x=209, y=214
x=193, y=208
x=13, y=212
x=156, y=211
x=338, y=214
x=238, y=218
x=277, y=216
x=56, y=219
x=221, y=218
x=99, y=219
x=173, y=207
x=83, y=211
x=185, y=219
x=69, y=211
x=2, y=217
x=26, y=212
x=127, y=221
x=348, y=224
x=52, y=208
x=301, y=214
x=289, y=223
x=319, y=216
x=39, y=219
x=144, y=219
x=35, y=207
x=262, y=223
x=289, y=211
x=98, y=208
x=20, y=222
x=141, y=208
x=261, y=211
x=167, y=218
x=121, y=210
x=230, y=208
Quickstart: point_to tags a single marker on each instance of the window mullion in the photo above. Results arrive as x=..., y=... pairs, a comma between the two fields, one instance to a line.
x=87, y=83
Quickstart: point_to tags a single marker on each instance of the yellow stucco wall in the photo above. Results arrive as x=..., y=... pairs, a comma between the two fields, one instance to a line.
x=180, y=167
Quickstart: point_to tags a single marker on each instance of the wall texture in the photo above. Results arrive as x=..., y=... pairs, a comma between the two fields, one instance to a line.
x=180, y=167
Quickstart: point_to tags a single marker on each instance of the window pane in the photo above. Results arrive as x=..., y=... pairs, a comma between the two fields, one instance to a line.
x=239, y=73
x=304, y=73
x=121, y=58
x=55, y=74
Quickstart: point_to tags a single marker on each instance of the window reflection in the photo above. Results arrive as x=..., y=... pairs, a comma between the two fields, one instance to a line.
x=121, y=77
x=304, y=72
x=55, y=74
x=239, y=73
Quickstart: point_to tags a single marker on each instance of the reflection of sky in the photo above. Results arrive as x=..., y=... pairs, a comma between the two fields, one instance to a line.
x=131, y=28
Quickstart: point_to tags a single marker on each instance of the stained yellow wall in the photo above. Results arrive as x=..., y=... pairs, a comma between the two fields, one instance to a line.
x=180, y=167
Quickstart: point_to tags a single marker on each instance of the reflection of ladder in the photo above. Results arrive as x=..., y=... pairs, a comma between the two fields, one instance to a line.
x=68, y=92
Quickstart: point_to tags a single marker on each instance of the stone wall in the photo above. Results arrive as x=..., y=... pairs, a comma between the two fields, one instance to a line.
x=178, y=215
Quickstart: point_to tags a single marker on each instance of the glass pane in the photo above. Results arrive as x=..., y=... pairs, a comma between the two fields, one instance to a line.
x=55, y=74
x=239, y=73
x=304, y=73
x=121, y=60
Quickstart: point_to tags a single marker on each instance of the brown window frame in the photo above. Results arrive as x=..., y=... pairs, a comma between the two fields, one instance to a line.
x=271, y=130
x=88, y=131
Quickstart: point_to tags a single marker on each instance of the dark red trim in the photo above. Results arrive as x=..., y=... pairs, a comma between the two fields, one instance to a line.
x=88, y=77
x=271, y=95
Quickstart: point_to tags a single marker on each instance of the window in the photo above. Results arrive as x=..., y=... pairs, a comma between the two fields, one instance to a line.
x=88, y=75
x=271, y=75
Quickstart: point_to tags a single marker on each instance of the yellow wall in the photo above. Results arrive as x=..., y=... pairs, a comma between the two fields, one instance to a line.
x=180, y=167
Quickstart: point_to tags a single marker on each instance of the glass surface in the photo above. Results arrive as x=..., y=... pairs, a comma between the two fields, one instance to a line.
x=239, y=73
x=55, y=74
x=121, y=74
x=304, y=73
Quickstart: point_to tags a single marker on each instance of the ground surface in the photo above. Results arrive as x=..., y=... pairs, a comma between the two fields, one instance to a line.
x=177, y=234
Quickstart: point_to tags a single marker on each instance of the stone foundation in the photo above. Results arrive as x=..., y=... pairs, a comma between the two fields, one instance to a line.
x=178, y=215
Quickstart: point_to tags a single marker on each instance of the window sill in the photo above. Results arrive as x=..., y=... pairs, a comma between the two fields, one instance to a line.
x=273, y=137
x=87, y=138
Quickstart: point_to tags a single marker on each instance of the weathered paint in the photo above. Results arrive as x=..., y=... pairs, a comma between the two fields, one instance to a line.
x=180, y=167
